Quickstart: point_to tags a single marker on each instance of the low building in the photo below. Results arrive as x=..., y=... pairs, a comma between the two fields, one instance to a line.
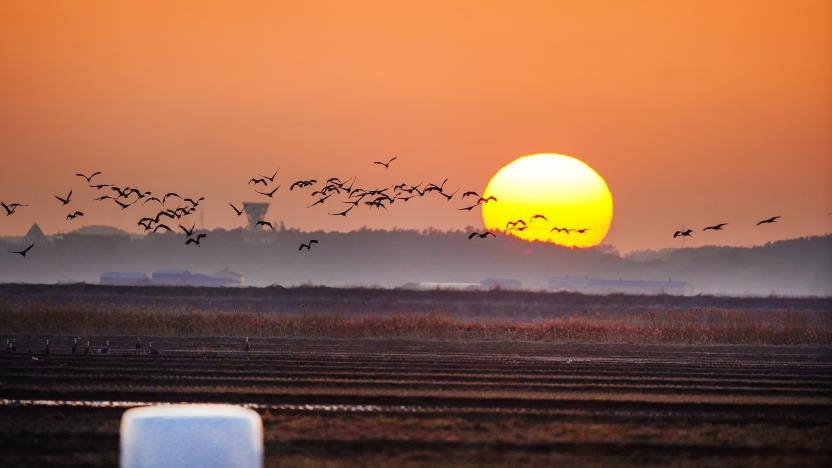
x=590, y=285
x=231, y=277
x=501, y=283
x=171, y=277
x=118, y=278
x=175, y=277
x=431, y=286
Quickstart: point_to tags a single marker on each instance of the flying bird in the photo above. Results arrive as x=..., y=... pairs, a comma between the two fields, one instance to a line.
x=256, y=181
x=123, y=206
x=487, y=199
x=196, y=241
x=387, y=164
x=470, y=193
x=716, y=227
x=65, y=201
x=343, y=213
x=268, y=194
x=264, y=223
x=773, y=219
x=560, y=229
x=89, y=178
x=11, y=207
x=308, y=245
x=23, y=252
x=539, y=216
x=236, y=210
x=481, y=235
x=271, y=179
x=74, y=215
x=515, y=223
x=162, y=226
x=687, y=233
x=581, y=231
x=188, y=232
x=169, y=195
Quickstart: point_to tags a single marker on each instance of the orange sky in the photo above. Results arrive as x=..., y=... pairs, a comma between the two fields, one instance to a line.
x=694, y=112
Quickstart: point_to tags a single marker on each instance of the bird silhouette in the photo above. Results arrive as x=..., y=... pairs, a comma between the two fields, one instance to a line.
x=195, y=203
x=268, y=194
x=487, y=199
x=470, y=193
x=74, y=215
x=150, y=199
x=686, y=233
x=581, y=231
x=320, y=201
x=11, y=207
x=560, y=229
x=65, y=201
x=343, y=213
x=188, y=232
x=308, y=245
x=469, y=208
x=100, y=186
x=264, y=223
x=196, y=241
x=271, y=179
x=162, y=226
x=256, y=181
x=386, y=164
x=123, y=206
x=481, y=235
x=170, y=195
x=539, y=216
x=23, y=252
x=773, y=219
x=715, y=227
x=515, y=223
x=89, y=178
x=236, y=210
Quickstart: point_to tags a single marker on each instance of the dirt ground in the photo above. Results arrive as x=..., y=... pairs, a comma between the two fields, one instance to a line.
x=328, y=402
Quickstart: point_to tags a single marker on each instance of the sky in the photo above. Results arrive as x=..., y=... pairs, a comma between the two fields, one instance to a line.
x=694, y=112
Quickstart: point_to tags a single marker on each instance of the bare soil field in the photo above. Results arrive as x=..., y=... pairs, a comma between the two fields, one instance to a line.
x=386, y=402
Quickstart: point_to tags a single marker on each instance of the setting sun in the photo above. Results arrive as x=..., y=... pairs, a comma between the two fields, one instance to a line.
x=574, y=201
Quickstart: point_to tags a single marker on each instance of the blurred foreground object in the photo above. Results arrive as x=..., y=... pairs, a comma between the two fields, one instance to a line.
x=191, y=436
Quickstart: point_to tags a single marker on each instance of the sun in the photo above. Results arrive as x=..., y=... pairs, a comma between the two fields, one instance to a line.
x=573, y=200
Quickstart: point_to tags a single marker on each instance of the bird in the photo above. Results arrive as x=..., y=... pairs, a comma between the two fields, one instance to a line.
x=515, y=223
x=256, y=181
x=581, y=231
x=539, y=216
x=264, y=223
x=268, y=194
x=196, y=241
x=162, y=226
x=308, y=245
x=236, y=210
x=469, y=208
x=320, y=201
x=481, y=235
x=716, y=227
x=343, y=213
x=123, y=206
x=387, y=164
x=773, y=219
x=686, y=233
x=150, y=199
x=100, y=186
x=74, y=215
x=88, y=178
x=560, y=229
x=271, y=179
x=194, y=203
x=65, y=201
x=23, y=252
x=188, y=232
x=470, y=193
x=170, y=195
x=487, y=199
x=11, y=207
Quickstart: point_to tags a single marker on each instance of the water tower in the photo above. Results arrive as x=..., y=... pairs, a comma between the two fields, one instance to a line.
x=255, y=212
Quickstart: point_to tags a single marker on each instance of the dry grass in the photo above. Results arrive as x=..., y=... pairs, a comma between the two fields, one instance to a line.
x=701, y=326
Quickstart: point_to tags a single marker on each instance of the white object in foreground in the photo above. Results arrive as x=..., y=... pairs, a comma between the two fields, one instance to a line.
x=191, y=436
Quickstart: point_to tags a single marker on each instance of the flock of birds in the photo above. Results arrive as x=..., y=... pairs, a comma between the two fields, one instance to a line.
x=173, y=208
x=88, y=349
